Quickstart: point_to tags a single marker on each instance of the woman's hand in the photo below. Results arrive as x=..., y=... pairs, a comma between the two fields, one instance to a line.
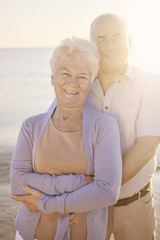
x=30, y=200
x=77, y=217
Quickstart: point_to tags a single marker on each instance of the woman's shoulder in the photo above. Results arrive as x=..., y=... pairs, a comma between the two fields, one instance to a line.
x=99, y=116
x=98, y=122
x=37, y=119
x=42, y=116
x=98, y=125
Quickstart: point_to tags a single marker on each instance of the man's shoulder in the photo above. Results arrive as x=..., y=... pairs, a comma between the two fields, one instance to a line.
x=144, y=75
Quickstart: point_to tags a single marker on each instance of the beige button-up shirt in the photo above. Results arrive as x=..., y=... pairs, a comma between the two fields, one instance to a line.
x=134, y=101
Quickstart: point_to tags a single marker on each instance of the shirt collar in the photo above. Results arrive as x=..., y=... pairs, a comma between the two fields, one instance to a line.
x=96, y=87
x=127, y=76
x=129, y=72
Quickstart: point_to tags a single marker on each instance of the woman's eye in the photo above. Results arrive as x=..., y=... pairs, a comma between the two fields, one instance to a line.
x=83, y=77
x=66, y=74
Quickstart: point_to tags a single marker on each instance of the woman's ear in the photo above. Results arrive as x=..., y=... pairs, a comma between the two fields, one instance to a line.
x=52, y=79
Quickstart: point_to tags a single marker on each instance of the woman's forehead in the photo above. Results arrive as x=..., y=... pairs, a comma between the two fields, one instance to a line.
x=71, y=63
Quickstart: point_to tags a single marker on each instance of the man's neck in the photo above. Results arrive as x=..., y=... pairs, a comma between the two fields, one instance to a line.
x=107, y=79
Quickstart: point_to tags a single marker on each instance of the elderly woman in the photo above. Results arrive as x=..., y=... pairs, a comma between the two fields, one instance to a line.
x=57, y=149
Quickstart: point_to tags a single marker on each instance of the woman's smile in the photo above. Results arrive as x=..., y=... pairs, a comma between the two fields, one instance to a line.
x=72, y=92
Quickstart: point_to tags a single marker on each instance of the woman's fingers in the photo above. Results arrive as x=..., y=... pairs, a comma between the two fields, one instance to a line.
x=29, y=190
x=32, y=191
x=18, y=198
x=24, y=199
x=30, y=200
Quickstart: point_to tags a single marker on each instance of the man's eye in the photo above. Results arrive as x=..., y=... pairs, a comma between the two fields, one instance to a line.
x=100, y=40
x=118, y=38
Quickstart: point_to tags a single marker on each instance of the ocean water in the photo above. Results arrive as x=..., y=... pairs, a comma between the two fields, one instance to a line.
x=25, y=90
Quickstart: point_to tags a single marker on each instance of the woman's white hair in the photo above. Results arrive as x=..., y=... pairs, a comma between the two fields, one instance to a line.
x=83, y=50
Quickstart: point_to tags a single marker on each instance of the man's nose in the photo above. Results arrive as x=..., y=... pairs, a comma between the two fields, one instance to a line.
x=110, y=44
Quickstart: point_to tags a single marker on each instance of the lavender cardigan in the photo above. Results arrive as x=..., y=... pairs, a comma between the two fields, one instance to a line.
x=70, y=193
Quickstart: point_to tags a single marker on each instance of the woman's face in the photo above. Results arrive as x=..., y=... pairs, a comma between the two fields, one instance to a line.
x=72, y=82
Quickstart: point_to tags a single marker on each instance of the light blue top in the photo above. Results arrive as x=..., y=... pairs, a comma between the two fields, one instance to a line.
x=102, y=145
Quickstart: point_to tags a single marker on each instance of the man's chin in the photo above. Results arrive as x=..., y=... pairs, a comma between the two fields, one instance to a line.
x=114, y=69
x=113, y=65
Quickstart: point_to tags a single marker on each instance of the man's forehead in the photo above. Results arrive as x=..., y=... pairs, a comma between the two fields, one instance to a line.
x=108, y=23
x=108, y=18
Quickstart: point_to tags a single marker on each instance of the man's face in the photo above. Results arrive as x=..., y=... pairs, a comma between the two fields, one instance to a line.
x=110, y=35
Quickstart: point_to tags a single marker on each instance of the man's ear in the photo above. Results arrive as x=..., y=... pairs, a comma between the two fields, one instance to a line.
x=52, y=79
x=130, y=42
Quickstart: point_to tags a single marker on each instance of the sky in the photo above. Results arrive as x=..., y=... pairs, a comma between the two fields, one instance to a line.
x=44, y=23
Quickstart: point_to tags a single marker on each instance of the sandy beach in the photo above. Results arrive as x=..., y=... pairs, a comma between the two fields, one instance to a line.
x=9, y=208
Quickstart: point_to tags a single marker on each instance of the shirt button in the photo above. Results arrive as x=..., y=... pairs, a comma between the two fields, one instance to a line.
x=106, y=107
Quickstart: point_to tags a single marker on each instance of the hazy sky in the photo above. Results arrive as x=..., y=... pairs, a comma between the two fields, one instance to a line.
x=44, y=23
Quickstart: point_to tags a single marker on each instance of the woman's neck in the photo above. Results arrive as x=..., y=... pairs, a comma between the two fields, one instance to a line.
x=68, y=119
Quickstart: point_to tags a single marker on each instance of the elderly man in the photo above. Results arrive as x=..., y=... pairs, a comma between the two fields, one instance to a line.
x=132, y=97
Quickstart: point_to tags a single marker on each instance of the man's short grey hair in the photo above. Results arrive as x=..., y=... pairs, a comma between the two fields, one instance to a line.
x=83, y=50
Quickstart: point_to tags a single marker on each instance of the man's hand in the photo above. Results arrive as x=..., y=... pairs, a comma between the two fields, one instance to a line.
x=89, y=179
x=30, y=200
x=77, y=217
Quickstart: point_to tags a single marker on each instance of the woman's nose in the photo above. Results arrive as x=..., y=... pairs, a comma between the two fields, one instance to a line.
x=74, y=80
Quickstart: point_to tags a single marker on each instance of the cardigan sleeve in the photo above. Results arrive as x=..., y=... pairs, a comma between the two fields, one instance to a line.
x=104, y=190
x=22, y=171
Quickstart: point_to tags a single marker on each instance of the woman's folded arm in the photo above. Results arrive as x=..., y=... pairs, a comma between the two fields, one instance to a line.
x=104, y=190
x=22, y=171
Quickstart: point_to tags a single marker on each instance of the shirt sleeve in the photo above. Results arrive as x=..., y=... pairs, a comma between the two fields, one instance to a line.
x=22, y=172
x=104, y=190
x=148, y=120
